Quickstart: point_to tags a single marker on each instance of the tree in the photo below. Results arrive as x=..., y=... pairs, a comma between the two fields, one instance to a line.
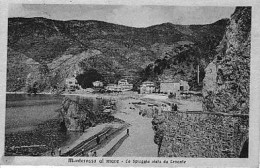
x=90, y=75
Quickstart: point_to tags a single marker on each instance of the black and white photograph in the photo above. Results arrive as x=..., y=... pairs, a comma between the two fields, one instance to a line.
x=134, y=81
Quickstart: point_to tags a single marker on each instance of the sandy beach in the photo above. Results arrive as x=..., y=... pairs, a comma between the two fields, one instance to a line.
x=140, y=142
x=183, y=105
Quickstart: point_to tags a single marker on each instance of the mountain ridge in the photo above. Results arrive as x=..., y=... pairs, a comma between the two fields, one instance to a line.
x=125, y=51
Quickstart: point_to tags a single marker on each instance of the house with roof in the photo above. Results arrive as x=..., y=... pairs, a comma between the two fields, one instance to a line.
x=184, y=86
x=173, y=86
x=111, y=87
x=98, y=84
x=147, y=87
x=124, y=85
x=122, y=82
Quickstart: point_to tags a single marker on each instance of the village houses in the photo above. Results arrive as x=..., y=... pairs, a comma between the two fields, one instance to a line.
x=111, y=87
x=147, y=87
x=122, y=85
x=173, y=86
x=98, y=84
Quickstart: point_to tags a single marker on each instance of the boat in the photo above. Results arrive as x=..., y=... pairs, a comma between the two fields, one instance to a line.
x=141, y=103
x=107, y=109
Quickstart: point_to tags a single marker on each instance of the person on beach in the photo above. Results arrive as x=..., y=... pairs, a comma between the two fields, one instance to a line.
x=83, y=151
x=98, y=139
x=127, y=131
x=95, y=154
x=83, y=127
x=175, y=107
x=59, y=151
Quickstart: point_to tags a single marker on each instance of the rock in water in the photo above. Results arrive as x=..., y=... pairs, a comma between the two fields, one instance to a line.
x=74, y=115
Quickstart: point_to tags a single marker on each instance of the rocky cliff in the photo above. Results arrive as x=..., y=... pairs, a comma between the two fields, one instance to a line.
x=77, y=114
x=74, y=116
x=226, y=85
x=62, y=47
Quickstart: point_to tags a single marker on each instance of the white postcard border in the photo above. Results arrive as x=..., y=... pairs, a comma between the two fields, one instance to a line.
x=252, y=161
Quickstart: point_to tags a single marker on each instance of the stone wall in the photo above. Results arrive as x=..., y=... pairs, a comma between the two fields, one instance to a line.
x=180, y=134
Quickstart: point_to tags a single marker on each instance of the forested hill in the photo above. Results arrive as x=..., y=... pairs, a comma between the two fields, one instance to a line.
x=44, y=52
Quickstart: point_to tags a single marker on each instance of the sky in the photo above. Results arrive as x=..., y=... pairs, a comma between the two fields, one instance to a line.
x=129, y=15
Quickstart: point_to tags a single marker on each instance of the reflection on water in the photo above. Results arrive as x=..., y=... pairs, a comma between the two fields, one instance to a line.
x=21, y=97
x=32, y=120
x=22, y=100
x=24, y=112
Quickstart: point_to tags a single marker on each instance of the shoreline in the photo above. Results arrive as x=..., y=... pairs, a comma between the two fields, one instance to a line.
x=71, y=141
x=41, y=93
x=124, y=112
x=87, y=94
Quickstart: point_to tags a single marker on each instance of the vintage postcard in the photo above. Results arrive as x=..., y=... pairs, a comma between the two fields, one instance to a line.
x=107, y=83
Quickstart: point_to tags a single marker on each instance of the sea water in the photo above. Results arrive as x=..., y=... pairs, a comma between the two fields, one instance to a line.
x=34, y=120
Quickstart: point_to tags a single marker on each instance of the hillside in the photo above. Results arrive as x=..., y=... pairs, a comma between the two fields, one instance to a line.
x=59, y=48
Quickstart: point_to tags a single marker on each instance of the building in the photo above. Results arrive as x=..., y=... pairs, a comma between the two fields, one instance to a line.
x=98, y=84
x=169, y=86
x=184, y=86
x=72, y=84
x=122, y=82
x=124, y=85
x=111, y=87
x=147, y=87
x=173, y=86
